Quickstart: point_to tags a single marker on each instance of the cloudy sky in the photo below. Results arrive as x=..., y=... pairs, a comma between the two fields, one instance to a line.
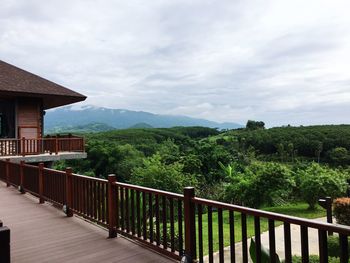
x=283, y=62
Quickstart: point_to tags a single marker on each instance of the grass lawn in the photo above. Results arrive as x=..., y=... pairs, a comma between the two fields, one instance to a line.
x=296, y=209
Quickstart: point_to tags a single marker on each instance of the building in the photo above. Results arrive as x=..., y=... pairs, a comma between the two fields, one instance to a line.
x=24, y=97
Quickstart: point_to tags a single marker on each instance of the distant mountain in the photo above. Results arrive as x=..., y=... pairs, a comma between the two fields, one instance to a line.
x=122, y=119
x=141, y=125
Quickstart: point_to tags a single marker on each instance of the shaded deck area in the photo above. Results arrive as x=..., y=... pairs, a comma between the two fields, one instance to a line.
x=42, y=233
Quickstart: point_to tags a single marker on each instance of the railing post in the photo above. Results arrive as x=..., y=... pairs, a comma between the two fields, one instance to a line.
x=70, y=142
x=112, y=206
x=41, y=183
x=190, y=224
x=56, y=145
x=83, y=142
x=18, y=146
x=8, y=172
x=50, y=145
x=21, y=174
x=5, y=255
x=23, y=148
x=69, y=192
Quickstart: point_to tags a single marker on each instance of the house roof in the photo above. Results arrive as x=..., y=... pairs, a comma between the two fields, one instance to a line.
x=16, y=82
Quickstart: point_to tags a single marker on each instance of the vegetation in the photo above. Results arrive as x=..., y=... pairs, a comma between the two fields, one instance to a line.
x=328, y=143
x=91, y=127
x=341, y=209
x=314, y=259
x=255, y=125
x=284, y=170
x=156, y=174
x=334, y=247
x=254, y=167
x=317, y=181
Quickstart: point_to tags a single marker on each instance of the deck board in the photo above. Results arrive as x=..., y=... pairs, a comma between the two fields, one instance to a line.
x=42, y=233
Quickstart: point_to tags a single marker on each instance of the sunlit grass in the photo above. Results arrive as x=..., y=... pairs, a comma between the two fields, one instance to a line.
x=296, y=209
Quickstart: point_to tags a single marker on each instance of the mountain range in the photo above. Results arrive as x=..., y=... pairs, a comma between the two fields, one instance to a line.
x=93, y=118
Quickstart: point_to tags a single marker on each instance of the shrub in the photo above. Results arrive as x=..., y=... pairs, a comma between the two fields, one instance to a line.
x=315, y=259
x=259, y=184
x=334, y=247
x=317, y=181
x=239, y=189
x=156, y=174
x=341, y=209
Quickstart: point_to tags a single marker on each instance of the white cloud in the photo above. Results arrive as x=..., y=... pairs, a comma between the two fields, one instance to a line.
x=279, y=61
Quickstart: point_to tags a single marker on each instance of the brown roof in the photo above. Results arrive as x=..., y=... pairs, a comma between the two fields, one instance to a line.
x=20, y=83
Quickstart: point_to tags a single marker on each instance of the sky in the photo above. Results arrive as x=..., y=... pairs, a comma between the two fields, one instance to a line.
x=282, y=62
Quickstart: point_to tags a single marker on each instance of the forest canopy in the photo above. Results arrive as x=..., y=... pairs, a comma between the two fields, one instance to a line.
x=251, y=166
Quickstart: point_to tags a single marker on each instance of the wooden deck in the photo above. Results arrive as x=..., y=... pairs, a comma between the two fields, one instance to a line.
x=42, y=233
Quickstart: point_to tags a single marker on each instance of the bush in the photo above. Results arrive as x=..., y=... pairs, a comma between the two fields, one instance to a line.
x=260, y=183
x=155, y=174
x=315, y=259
x=334, y=247
x=275, y=183
x=341, y=210
x=317, y=181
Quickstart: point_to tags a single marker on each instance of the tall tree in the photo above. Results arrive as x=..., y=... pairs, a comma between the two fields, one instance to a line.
x=255, y=125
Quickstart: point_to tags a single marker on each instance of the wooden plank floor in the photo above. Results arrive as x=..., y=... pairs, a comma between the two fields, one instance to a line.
x=41, y=233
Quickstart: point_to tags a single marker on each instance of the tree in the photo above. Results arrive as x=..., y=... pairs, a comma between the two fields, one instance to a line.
x=281, y=151
x=317, y=182
x=291, y=151
x=318, y=151
x=258, y=184
x=255, y=125
x=339, y=156
x=156, y=174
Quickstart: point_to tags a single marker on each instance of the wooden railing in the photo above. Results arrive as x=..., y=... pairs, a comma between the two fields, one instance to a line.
x=172, y=224
x=23, y=147
x=257, y=216
x=152, y=217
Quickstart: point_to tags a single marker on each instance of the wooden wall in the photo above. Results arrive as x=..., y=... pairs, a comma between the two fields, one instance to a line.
x=29, y=118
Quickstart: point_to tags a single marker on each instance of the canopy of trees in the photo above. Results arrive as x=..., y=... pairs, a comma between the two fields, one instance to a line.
x=254, y=167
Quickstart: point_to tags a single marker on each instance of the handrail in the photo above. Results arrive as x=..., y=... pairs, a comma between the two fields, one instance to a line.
x=134, y=187
x=156, y=218
x=341, y=229
x=151, y=190
x=90, y=178
x=24, y=146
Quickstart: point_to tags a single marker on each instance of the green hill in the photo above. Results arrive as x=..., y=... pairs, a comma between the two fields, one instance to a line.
x=87, y=128
x=141, y=125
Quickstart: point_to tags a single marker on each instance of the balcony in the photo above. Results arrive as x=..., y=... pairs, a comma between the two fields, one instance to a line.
x=43, y=149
